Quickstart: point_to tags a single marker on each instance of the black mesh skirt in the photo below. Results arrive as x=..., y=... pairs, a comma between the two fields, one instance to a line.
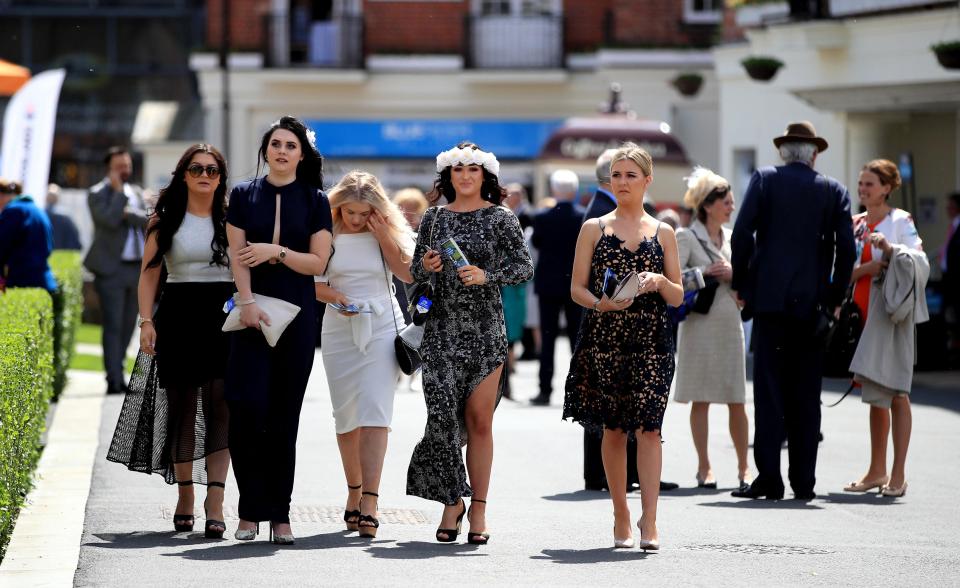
x=175, y=411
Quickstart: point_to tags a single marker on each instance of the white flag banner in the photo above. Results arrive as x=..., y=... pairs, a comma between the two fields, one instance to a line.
x=28, y=128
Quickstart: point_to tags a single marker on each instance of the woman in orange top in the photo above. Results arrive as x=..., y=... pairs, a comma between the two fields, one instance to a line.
x=874, y=231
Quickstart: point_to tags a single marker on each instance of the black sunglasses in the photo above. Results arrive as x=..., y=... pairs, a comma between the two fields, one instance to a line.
x=197, y=170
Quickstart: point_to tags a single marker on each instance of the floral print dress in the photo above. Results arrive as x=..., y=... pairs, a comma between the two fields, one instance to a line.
x=623, y=364
x=464, y=337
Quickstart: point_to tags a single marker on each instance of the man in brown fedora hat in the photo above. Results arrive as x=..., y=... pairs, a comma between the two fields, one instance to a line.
x=793, y=253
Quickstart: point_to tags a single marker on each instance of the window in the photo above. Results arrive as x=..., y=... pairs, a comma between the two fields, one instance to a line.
x=702, y=11
x=517, y=7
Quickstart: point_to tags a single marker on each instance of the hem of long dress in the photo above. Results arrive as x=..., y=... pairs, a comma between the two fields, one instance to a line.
x=162, y=471
x=434, y=498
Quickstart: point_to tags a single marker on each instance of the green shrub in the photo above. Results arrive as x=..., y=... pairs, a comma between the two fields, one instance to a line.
x=26, y=384
x=68, y=308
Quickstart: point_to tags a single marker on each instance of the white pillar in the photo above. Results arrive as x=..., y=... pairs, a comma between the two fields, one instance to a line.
x=279, y=31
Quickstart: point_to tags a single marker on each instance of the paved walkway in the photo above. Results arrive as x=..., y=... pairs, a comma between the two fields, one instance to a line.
x=546, y=529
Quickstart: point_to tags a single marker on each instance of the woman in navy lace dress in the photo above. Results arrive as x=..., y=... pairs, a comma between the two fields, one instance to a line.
x=622, y=366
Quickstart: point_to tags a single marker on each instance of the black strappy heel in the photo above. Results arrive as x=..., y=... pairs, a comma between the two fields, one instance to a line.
x=451, y=534
x=352, y=517
x=210, y=528
x=477, y=538
x=183, y=523
x=368, y=524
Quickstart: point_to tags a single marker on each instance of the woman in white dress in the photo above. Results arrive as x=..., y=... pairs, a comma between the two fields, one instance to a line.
x=710, y=352
x=371, y=243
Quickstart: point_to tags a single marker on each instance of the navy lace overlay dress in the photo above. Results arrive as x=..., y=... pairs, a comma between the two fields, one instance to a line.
x=623, y=364
x=464, y=338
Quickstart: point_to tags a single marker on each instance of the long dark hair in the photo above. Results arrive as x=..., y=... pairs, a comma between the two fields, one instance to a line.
x=172, y=207
x=310, y=169
x=490, y=189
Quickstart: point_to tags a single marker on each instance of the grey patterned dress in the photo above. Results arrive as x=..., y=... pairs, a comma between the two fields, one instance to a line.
x=464, y=338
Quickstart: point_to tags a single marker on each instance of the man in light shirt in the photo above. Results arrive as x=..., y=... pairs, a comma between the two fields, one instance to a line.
x=119, y=217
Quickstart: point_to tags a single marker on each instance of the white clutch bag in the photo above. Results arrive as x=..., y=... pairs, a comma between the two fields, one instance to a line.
x=281, y=314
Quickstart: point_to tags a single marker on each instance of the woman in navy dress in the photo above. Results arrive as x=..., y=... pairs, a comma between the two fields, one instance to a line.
x=274, y=257
x=622, y=366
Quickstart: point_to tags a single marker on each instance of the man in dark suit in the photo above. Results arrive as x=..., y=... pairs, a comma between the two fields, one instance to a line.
x=793, y=253
x=555, y=233
x=119, y=217
x=65, y=233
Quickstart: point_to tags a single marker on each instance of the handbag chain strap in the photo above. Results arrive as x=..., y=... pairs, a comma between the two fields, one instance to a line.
x=386, y=277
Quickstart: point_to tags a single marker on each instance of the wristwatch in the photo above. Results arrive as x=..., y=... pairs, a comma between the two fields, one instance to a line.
x=141, y=320
x=283, y=254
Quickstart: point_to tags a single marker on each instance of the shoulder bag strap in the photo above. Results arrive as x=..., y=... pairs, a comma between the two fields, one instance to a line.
x=386, y=277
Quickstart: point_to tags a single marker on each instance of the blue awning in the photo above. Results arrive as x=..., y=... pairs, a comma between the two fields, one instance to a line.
x=425, y=138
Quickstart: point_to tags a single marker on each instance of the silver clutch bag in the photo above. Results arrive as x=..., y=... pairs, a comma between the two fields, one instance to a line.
x=281, y=314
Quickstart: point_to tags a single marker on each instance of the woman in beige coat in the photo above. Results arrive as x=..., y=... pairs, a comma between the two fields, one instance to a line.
x=710, y=351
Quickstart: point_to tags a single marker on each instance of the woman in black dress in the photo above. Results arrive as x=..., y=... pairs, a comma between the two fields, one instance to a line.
x=174, y=419
x=464, y=343
x=621, y=369
x=279, y=229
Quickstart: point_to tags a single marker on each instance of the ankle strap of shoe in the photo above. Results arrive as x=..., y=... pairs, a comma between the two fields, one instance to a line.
x=186, y=483
x=478, y=500
x=371, y=494
x=216, y=485
x=357, y=487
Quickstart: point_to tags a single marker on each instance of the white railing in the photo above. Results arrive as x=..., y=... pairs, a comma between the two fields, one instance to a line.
x=516, y=42
x=851, y=7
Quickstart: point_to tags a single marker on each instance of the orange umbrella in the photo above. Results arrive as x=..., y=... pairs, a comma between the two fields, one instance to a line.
x=12, y=77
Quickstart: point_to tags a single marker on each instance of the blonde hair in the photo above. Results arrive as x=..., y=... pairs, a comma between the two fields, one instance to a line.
x=361, y=186
x=636, y=154
x=413, y=197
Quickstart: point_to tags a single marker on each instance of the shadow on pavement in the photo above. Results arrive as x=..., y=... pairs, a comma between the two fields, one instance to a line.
x=583, y=556
x=695, y=491
x=425, y=550
x=579, y=496
x=787, y=504
x=859, y=498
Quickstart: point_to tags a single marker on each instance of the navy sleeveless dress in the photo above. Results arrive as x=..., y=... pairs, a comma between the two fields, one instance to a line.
x=623, y=363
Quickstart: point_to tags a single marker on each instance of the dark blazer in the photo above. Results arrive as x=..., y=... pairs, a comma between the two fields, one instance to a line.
x=602, y=203
x=110, y=227
x=65, y=233
x=951, y=279
x=555, y=233
x=793, y=242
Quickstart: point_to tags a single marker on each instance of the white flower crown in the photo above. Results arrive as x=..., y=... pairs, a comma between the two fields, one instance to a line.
x=468, y=156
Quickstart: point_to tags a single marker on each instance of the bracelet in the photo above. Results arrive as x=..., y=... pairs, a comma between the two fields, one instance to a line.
x=244, y=302
x=595, y=304
x=142, y=320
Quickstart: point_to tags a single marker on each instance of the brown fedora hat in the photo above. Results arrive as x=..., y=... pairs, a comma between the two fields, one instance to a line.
x=801, y=132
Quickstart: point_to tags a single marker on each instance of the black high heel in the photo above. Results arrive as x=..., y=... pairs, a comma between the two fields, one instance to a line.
x=368, y=524
x=183, y=523
x=210, y=528
x=352, y=517
x=481, y=538
x=451, y=534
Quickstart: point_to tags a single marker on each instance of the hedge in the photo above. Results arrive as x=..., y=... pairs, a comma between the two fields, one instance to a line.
x=68, y=308
x=26, y=385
